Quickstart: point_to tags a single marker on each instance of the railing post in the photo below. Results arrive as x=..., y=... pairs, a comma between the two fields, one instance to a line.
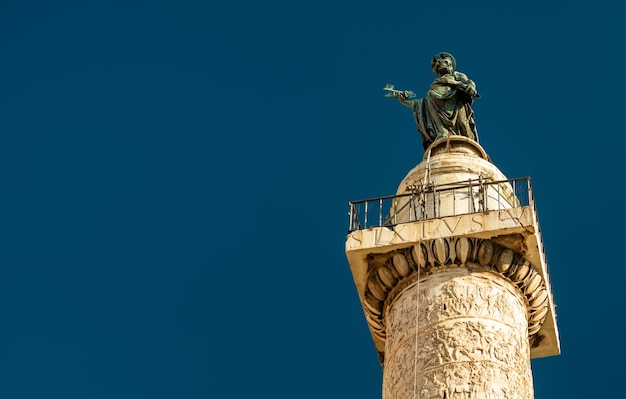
x=395, y=211
x=499, y=196
x=351, y=222
x=483, y=194
x=470, y=197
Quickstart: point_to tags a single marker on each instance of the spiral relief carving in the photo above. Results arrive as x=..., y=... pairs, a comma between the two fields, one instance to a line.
x=388, y=277
x=464, y=328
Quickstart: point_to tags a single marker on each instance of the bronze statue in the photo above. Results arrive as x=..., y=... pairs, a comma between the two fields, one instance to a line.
x=446, y=110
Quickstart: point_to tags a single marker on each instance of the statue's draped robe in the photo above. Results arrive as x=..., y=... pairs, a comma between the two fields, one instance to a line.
x=446, y=110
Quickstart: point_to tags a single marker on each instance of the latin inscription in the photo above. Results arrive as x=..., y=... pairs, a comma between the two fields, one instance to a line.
x=445, y=227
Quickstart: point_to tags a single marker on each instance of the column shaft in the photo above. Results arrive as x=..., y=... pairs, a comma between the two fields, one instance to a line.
x=470, y=339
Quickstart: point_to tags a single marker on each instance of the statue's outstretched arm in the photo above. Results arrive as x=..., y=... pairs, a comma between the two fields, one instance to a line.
x=404, y=96
x=405, y=101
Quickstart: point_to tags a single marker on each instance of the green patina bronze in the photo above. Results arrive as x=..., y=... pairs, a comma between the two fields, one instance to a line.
x=447, y=108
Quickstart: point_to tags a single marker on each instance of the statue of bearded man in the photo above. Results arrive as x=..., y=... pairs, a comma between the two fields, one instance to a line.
x=446, y=110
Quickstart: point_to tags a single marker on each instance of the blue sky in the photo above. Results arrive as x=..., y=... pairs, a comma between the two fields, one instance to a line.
x=175, y=178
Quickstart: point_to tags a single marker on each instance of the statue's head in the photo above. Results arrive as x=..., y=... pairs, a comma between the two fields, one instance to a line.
x=443, y=63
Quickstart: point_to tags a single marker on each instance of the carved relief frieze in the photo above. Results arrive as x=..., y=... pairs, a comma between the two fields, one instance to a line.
x=456, y=334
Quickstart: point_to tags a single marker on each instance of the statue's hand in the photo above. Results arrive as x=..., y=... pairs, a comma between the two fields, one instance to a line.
x=472, y=92
x=399, y=94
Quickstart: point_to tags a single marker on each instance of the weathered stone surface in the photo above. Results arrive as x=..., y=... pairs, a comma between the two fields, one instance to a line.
x=390, y=273
x=457, y=305
x=458, y=334
x=513, y=228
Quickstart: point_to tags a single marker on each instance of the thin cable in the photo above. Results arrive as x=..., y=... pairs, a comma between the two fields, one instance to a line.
x=426, y=181
x=417, y=315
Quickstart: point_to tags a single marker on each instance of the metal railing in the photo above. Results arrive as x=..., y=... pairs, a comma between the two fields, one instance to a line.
x=428, y=201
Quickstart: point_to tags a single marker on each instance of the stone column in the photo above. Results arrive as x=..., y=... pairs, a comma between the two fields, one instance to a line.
x=457, y=298
x=470, y=341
